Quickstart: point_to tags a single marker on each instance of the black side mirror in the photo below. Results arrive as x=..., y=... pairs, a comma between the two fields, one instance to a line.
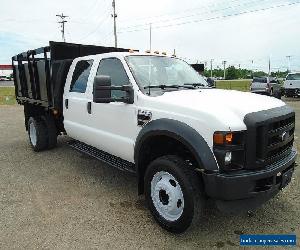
x=103, y=88
x=102, y=91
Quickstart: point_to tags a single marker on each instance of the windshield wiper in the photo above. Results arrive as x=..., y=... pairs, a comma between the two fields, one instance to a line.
x=195, y=84
x=161, y=86
x=164, y=86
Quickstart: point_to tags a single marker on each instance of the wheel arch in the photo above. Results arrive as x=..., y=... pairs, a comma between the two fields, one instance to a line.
x=160, y=133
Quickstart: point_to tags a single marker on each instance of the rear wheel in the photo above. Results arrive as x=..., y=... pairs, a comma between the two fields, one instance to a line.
x=37, y=133
x=173, y=193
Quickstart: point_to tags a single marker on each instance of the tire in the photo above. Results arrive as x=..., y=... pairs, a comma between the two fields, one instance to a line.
x=279, y=95
x=51, y=131
x=171, y=176
x=37, y=133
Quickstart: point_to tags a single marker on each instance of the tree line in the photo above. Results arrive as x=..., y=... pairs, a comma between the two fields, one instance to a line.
x=238, y=73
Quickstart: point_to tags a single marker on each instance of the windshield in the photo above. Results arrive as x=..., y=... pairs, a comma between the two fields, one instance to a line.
x=261, y=79
x=293, y=76
x=163, y=71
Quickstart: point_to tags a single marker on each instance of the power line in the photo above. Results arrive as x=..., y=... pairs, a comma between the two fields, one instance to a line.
x=197, y=14
x=62, y=22
x=100, y=24
x=174, y=13
x=215, y=18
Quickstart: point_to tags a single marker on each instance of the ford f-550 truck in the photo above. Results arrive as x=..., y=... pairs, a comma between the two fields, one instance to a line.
x=154, y=115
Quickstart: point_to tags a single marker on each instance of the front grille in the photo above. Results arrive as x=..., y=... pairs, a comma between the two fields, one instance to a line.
x=270, y=136
x=280, y=138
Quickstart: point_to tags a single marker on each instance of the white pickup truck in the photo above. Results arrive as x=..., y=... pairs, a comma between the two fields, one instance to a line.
x=153, y=115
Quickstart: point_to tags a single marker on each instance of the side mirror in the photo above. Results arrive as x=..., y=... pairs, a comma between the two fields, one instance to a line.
x=101, y=91
x=103, y=88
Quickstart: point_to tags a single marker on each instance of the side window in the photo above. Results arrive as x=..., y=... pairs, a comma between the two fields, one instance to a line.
x=113, y=67
x=80, y=76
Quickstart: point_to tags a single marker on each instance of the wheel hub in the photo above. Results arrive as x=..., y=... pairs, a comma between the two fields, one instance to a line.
x=167, y=196
x=32, y=134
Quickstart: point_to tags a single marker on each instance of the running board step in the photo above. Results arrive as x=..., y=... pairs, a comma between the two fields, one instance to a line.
x=103, y=156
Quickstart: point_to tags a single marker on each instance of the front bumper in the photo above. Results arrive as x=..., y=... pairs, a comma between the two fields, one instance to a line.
x=261, y=91
x=292, y=92
x=248, y=189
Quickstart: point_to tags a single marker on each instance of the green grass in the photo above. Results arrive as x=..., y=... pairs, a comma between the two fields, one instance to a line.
x=7, y=96
x=241, y=85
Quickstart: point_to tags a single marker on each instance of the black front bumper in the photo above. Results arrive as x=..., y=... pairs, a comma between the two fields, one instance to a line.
x=248, y=189
x=292, y=92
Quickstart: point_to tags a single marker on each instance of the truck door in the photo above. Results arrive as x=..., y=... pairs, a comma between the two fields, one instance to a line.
x=76, y=100
x=113, y=125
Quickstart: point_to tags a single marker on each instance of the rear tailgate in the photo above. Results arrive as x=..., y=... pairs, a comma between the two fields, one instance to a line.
x=258, y=86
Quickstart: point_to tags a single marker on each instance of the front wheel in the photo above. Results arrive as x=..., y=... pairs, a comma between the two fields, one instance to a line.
x=173, y=193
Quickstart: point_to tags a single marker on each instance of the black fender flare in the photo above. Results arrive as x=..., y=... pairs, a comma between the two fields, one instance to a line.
x=181, y=132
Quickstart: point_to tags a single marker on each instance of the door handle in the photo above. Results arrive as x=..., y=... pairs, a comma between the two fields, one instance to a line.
x=89, y=107
x=67, y=103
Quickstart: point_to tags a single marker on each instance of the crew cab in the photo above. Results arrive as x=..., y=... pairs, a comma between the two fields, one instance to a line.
x=154, y=116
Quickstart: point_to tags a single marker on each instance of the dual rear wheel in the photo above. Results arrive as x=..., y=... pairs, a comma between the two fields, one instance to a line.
x=42, y=133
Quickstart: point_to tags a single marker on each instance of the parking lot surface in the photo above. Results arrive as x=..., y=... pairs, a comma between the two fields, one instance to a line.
x=66, y=200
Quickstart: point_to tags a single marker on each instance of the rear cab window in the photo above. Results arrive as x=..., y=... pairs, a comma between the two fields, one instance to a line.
x=260, y=79
x=80, y=76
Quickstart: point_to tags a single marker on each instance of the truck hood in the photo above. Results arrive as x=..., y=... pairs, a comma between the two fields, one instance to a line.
x=229, y=106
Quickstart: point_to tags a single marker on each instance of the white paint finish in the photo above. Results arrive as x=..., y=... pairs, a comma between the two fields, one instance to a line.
x=208, y=110
x=112, y=127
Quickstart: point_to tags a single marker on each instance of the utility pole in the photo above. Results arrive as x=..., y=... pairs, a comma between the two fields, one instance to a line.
x=114, y=15
x=269, y=67
x=150, y=41
x=224, y=63
x=211, y=61
x=174, y=53
x=289, y=63
x=62, y=22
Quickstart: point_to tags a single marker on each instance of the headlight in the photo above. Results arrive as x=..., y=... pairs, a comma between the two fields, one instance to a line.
x=229, y=149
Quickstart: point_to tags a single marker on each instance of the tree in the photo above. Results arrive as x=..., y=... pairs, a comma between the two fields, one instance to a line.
x=231, y=73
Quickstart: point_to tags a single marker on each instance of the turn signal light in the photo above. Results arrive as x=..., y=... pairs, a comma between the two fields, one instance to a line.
x=221, y=138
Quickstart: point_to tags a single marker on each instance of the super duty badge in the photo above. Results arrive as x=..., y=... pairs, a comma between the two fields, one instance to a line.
x=143, y=117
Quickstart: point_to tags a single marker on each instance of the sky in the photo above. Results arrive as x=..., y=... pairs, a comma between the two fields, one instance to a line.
x=245, y=33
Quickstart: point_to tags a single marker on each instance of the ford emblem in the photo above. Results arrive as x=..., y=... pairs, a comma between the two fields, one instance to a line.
x=284, y=136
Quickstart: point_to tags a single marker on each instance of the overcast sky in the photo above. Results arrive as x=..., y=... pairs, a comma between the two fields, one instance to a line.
x=237, y=31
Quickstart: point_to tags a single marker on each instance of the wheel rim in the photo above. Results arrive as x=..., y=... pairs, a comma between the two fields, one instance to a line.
x=32, y=134
x=167, y=196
